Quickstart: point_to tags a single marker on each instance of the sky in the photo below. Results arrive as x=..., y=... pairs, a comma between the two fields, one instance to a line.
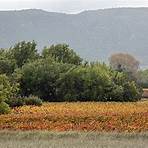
x=69, y=6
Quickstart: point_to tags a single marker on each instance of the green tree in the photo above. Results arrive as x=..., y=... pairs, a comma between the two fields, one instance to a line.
x=8, y=88
x=39, y=78
x=62, y=53
x=86, y=83
x=23, y=52
x=124, y=89
x=5, y=88
x=7, y=65
x=97, y=82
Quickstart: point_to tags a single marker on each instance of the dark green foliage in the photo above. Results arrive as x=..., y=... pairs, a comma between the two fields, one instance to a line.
x=131, y=92
x=53, y=81
x=124, y=88
x=20, y=101
x=62, y=53
x=24, y=52
x=4, y=108
x=39, y=78
x=97, y=83
x=16, y=102
x=33, y=100
x=7, y=65
x=60, y=75
x=88, y=83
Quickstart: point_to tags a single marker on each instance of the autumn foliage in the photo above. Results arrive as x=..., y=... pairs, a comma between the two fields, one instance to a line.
x=108, y=117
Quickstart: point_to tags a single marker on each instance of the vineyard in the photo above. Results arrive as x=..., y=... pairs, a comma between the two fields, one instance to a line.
x=106, y=117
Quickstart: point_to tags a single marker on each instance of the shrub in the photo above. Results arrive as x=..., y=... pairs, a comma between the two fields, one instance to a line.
x=90, y=83
x=40, y=78
x=132, y=92
x=32, y=100
x=125, y=89
x=16, y=102
x=97, y=83
x=116, y=94
x=20, y=101
x=4, y=108
x=7, y=66
x=57, y=82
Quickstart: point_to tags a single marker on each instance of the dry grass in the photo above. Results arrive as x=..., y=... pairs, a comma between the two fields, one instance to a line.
x=108, y=117
x=71, y=139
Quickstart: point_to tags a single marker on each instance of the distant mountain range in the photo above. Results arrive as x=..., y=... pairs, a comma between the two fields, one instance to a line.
x=95, y=35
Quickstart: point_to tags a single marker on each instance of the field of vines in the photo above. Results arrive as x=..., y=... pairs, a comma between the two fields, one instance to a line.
x=90, y=116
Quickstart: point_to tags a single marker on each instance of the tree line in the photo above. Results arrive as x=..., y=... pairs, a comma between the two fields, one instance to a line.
x=59, y=74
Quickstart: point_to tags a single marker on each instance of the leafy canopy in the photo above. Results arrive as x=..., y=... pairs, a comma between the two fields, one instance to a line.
x=62, y=53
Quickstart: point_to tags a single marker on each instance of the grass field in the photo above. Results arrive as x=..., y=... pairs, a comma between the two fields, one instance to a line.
x=101, y=117
x=71, y=140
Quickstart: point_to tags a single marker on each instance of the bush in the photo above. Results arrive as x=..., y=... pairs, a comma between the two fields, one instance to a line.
x=97, y=83
x=132, y=92
x=16, y=102
x=32, y=100
x=85, y=83
x=4, y=108
x=57, y=82
x=40, y=79
x=7, y=66
x=125, y=89
x=20, y=101
x=117, y=94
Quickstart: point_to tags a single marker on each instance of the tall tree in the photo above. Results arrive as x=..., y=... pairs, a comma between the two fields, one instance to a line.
x=62, y=53
x=7, y=65
x=23, y=52
x=124, y=63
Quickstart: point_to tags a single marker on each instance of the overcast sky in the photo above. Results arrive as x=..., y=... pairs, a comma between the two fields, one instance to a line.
x=69, y=6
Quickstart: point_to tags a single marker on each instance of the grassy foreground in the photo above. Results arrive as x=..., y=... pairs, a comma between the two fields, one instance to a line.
x=90, y=116
x=71, y=139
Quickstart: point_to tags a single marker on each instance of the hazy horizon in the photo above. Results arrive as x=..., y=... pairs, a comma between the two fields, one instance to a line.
x=66, y=6
x=24, y=9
